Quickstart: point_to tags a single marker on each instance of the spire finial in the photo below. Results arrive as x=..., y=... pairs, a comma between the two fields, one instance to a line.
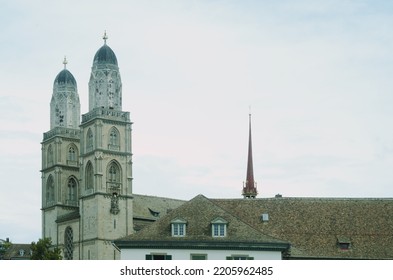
x=105, y=37
x=249, y=115
x=65, y=62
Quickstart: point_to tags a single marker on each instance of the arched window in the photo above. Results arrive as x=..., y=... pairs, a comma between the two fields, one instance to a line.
x=89, y=140
x=72, y=192
x=68, y=243
x=50, y=191
x=114, y=139
x=89, y=176
x=113, y=178
x=113, y=173
x=72, y=154
x=50, y=155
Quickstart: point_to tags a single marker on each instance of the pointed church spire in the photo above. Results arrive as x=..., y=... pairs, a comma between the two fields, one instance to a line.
x=249, y=187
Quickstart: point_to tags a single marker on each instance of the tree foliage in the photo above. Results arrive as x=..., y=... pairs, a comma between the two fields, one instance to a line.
x=4, y=245
x=44, y=250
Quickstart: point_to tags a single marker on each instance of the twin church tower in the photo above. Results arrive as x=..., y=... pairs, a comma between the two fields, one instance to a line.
x=87, y=165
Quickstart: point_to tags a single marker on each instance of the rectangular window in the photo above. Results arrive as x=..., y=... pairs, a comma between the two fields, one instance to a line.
x=219, y=230
x=239, y=257
x=198, y=257
x=158, y=257
x=178, y=229
x=344, y=246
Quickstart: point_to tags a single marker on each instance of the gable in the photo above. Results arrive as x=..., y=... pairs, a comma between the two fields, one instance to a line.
x=219, y=220
x=178, y=221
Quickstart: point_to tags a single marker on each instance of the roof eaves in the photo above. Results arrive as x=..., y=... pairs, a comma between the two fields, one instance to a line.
x=204, y=245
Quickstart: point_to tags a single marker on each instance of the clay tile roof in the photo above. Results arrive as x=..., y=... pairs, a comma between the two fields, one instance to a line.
x=152, y=207
x=18, y=252
x=316, y=227
x=199, y=214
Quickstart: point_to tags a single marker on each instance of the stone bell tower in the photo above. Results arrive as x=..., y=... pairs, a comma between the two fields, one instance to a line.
x=60, y=153
x=105, y=161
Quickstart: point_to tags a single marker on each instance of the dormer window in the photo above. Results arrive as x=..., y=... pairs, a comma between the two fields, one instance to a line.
x=344, y=243
x=21, y=252
x=219, y=227
x=178, y=227
x=344, y=246
x=154, y=213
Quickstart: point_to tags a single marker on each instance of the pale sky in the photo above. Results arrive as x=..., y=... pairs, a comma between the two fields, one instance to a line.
x=318, y=76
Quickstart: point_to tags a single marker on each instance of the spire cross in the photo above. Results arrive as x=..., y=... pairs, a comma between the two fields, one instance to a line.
x=105, y=37
x=65, y=62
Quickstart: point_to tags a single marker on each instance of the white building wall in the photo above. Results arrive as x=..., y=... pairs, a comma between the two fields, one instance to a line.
x=179, y=254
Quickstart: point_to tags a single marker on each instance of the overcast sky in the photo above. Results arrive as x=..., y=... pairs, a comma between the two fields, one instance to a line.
x=318, y=76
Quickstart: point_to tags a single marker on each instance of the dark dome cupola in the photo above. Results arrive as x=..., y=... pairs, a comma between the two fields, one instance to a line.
x=105, y=55
x=65, y=77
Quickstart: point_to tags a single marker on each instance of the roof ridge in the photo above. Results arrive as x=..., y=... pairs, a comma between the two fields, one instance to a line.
x=155, y=196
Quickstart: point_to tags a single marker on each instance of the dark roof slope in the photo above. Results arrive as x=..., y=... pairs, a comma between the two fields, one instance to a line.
x=153, y=207
x=316, y=226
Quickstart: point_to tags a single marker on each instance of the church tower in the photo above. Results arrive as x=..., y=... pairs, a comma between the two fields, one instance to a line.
x=87, y=166
x=250, y=186
x=105, y=161
x=60, y=152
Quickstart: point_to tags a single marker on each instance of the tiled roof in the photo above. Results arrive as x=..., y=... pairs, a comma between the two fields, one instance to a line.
x=316, y=226
x=152, y=207
x=18, y=252
x=198, y=214
x=69, y=216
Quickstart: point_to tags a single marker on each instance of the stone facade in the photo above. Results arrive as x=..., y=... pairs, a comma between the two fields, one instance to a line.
x=87, y=166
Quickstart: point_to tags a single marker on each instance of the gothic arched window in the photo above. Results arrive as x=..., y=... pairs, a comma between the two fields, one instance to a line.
x=114, y=173
x=68, y=243
x=89, y=176
x=113, y=177
x=50, y=155
x=72, y=153
x=72, y=192
x=114, y=137
x=50, y=191
x=89, y=141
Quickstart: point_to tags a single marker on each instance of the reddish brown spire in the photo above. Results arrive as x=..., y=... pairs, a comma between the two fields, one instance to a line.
x=250, y=186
